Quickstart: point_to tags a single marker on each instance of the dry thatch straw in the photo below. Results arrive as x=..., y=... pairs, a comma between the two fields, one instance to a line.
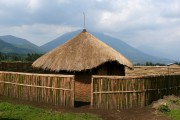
x=82, y=52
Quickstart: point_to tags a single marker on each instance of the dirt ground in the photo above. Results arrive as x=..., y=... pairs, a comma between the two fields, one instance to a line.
x=146, y=113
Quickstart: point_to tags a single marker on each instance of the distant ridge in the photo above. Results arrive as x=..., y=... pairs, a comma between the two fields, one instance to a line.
x=59, y=41
x=128, y=51
x=22, y=45
x=9, y=48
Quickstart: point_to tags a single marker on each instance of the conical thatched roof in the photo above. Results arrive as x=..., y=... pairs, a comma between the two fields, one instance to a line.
x=82, y=52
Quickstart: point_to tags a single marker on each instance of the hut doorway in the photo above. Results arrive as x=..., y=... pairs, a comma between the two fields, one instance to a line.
x=82, y=88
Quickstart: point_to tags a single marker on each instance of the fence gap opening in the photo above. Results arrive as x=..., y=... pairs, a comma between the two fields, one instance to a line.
x=81, y=104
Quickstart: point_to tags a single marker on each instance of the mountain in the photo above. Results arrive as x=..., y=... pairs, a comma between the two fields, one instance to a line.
x=22, y=44
x=128, y=51
x=9, y=48
x=58, y=41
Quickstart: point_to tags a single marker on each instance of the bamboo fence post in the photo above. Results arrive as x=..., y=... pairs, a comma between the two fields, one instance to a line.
x=72, y=91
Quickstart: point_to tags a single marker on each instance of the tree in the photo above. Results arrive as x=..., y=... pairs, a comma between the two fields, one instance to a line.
x=32, y=57
x=0, y=56
x=178, y=63
x=15, y=58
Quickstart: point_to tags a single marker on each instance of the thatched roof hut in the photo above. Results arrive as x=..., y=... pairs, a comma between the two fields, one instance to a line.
x=84, y=56
x=83, y=52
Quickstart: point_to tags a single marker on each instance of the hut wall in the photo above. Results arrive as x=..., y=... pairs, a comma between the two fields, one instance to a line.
x=83, y=79
x=110, y=68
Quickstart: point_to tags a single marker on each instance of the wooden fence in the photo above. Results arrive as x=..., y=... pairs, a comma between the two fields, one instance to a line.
x=53, y=89
x=115, y=92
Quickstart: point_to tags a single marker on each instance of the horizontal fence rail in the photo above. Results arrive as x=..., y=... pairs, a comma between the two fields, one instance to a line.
x=118, y=92
x=46, y=88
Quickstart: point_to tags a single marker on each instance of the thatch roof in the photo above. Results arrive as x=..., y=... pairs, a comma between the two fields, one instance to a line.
x=82, y=52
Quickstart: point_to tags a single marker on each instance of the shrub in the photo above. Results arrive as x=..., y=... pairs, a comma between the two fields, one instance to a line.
x=164, y=108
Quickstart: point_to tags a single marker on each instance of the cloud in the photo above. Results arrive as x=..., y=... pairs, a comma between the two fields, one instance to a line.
x=34, y=4
x=172, y=11
x=137, y=22
x=37, y=33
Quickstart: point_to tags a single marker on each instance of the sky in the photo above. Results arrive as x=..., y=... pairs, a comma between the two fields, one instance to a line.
x=152, y=26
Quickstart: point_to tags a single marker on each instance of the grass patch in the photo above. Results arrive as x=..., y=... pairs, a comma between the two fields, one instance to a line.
x=174, y=114
x=10, y=111
x=170, y=106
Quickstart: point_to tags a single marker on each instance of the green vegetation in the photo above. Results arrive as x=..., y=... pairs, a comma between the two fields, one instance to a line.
x=178, y=63
x=150, y=64
x=19, y=57
x=32, y=57
x=170, y=106
x=164, y=108
x=154, y=64
x=11, y=44
x=174, y=114
x=21, y=112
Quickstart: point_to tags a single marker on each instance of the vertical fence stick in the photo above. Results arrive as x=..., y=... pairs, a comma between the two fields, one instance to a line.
x=92, y=84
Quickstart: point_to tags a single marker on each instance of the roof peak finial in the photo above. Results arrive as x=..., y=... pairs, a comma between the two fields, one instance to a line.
x=84, y=27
